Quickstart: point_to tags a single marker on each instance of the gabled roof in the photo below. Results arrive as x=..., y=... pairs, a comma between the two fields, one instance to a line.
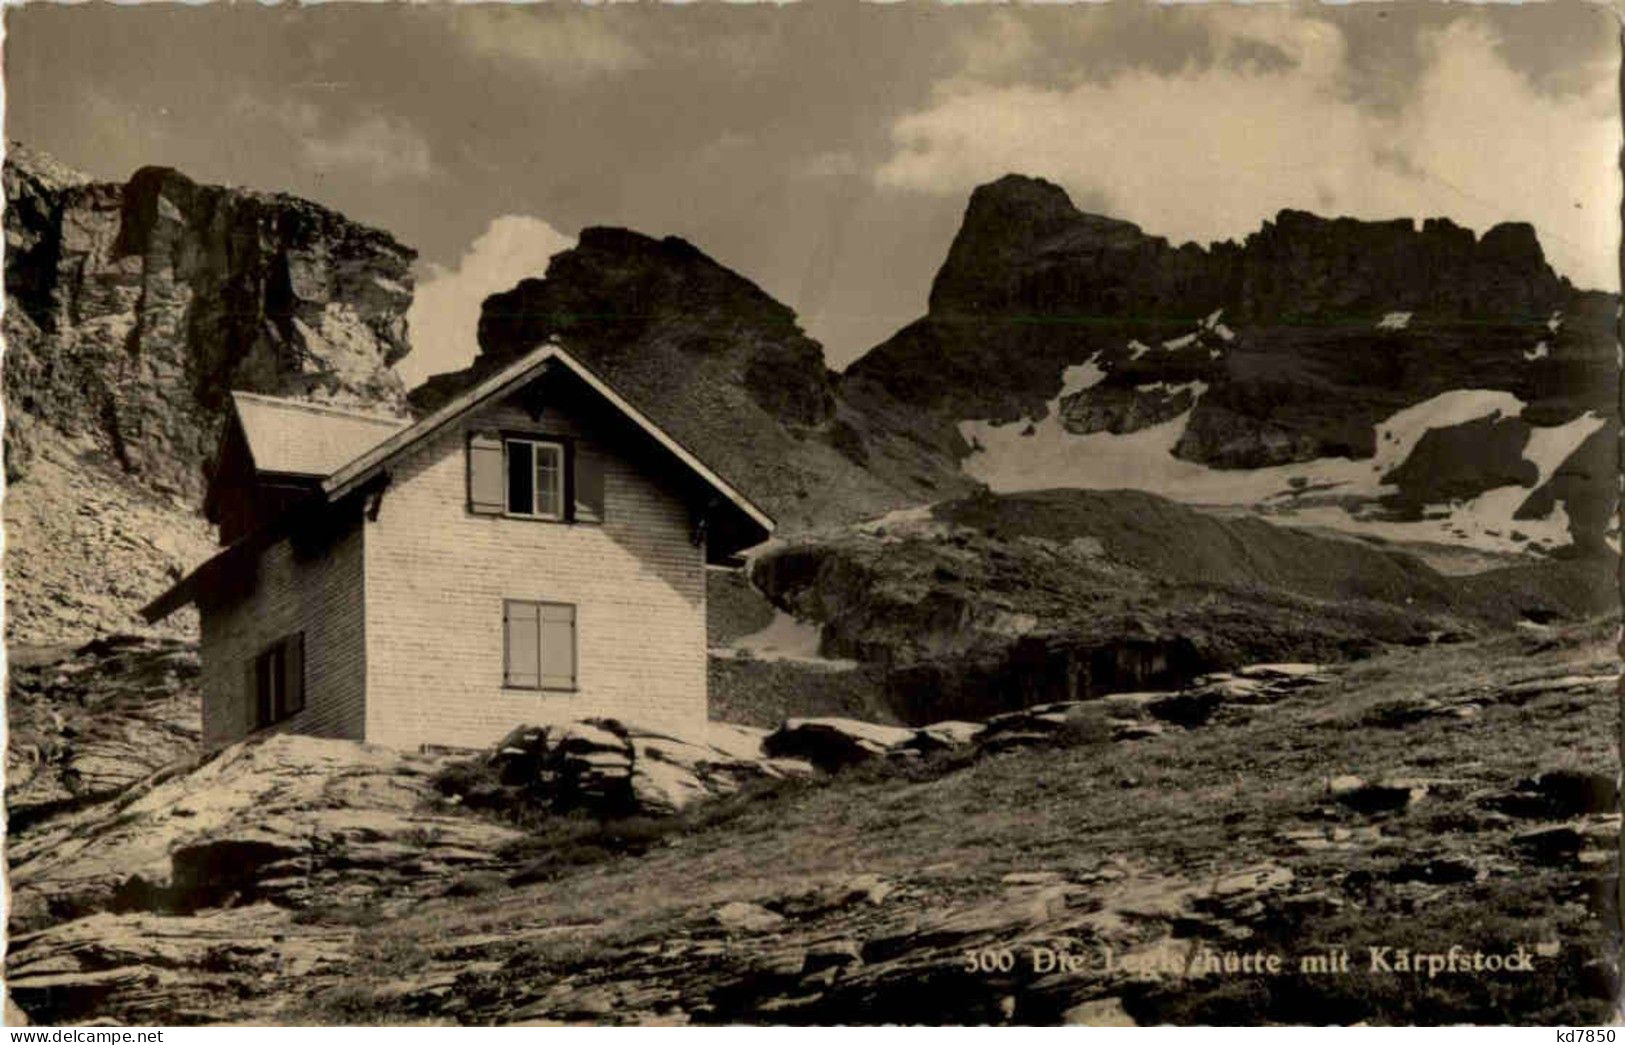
x=369, y=469
x=290, y=437
x=353, y=475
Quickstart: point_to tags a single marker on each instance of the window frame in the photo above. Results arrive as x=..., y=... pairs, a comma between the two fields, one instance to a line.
x=541, y=675
x=275, y=656
x=563, y=486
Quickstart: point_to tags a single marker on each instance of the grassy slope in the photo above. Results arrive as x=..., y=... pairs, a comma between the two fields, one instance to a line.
x=1187, y=805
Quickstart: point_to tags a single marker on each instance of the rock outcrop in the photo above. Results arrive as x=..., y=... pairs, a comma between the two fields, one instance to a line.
x=611, y=768
x=88, y=723
x=136, y=308
x=290, y=820
x=296, y=880
x=997, y=601
x=724, y=368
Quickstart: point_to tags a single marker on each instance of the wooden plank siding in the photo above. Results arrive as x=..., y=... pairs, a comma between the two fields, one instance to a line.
x=437, y=575
x=321, y=595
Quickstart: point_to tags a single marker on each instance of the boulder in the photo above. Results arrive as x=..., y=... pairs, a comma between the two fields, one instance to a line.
x=739, y=916
x=1129, y=729
x=1448, y=869
x=1382, y=797
x=144, y=968
x=837, y=954
x=614, y=768
x=1190, y=708
x=834, y=743
x=740, y=742
x=945, y=736
x=1561, y=793
x=1101, y=1012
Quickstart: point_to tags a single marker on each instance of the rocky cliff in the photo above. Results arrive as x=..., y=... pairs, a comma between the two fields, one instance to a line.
x=132, y=311
x=726, y=369
x=135, y=308
x=1294, y=345
x=1024, y=245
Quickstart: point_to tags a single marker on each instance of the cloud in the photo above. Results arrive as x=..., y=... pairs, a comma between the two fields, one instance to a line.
x=444, y=318
x=833, y=163
x=381, y=147
x=1208, y=151
x=570, y=47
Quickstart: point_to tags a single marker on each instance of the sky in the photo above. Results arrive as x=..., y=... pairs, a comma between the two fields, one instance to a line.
x=826, y=150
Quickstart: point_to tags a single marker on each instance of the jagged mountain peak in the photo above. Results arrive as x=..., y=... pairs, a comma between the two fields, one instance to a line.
x=725, y=368
x=1052, y=334
x=620, y=280
x=42, y=166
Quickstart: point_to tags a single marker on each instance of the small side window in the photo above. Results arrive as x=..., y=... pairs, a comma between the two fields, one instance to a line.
x=278, y=677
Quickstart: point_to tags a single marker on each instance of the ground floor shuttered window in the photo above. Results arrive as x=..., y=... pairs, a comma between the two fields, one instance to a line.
x=539, y=645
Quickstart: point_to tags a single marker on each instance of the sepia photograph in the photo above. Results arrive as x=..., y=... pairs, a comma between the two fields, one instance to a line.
x=821, y=514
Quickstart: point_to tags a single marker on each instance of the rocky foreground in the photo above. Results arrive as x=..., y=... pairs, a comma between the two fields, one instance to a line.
x=835, y=871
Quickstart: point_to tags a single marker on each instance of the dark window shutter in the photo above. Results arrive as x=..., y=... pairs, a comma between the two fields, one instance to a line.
x=293, y=674
x=251, y=693
x=589, y=487
x=487, y=485
x=264, y=696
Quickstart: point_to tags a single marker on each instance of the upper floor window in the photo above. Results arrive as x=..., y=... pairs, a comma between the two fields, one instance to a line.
x=554, y=478
x=535, y=478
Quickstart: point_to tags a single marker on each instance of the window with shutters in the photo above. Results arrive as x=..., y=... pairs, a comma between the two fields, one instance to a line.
x=535, y=472
x=529, y=477
x=278, y=680
x=539, y=645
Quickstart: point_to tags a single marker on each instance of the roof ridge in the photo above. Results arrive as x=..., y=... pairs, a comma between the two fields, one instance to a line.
x=323, y=408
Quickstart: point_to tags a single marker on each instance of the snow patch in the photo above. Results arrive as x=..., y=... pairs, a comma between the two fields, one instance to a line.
x=1225, y=332
x=1548, y=448
x=1310, y=493
x=1395, y=321
x=1136, y=349
x=786, y=639
x=1085, y=375
x=1181, y=342
x=1540, y=351
x=901, y=521
x=1164, y=388
x=1212, y=321
x=1555, y=322
x=1398, y=436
